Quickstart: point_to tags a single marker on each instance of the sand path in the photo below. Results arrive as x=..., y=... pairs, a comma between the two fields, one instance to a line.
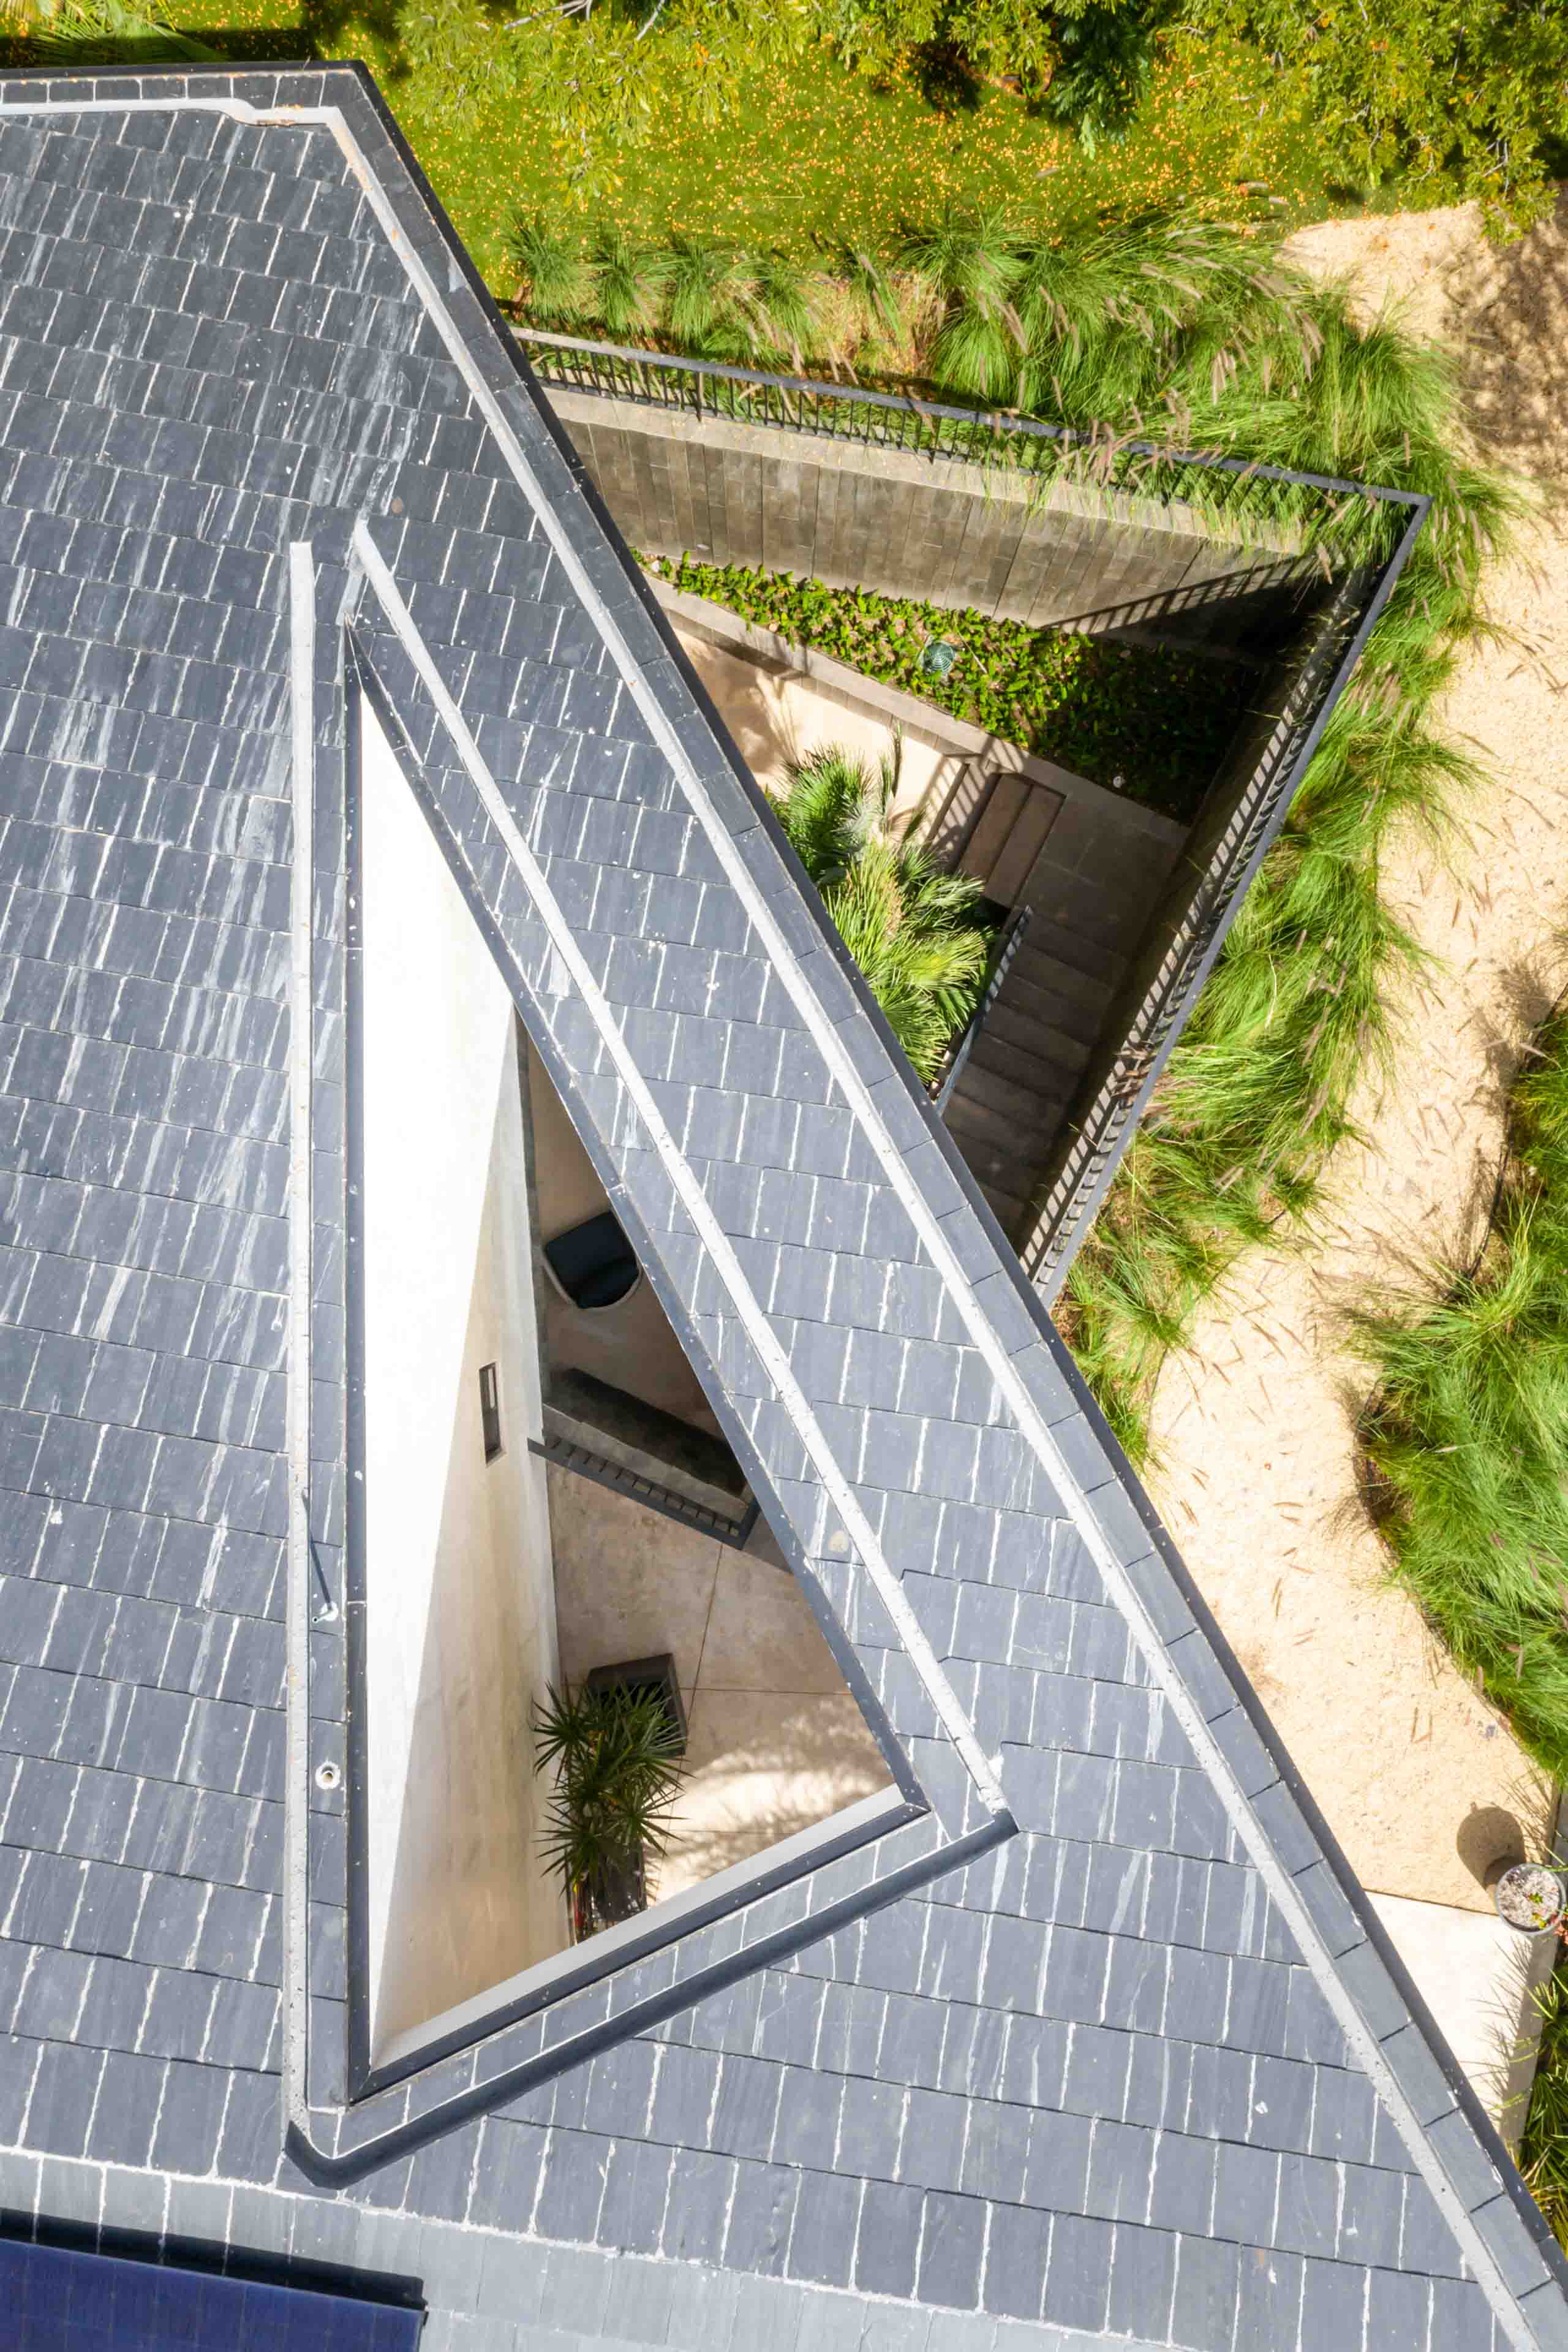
x=1254, y=1426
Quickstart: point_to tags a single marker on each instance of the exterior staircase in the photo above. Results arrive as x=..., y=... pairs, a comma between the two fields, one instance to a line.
x=1090, y=867
x=1001, y=845
x=1006, y=1110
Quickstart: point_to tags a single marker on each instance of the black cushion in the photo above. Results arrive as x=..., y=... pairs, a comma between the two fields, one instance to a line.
x=593, y=1262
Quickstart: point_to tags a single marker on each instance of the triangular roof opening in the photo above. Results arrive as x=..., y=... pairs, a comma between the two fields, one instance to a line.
x=548, y=1507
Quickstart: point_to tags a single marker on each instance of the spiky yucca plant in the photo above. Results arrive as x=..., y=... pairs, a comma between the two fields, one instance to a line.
x=784, y=308
x=616, y=1759
x=918, y=934
x=711, y=296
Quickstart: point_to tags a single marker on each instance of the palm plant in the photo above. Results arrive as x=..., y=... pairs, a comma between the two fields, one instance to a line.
x=918, y=934
x=615, y=1754
x=89, y=32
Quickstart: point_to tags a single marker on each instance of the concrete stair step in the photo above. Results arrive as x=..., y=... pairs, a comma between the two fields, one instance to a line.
x=1026, y=838
x=1006, y=1207
x=1009, y=835
x=1032, y=1091
x=1007, y=1182
x=1057, y=943
x=1027, y=1111
x=1015, y=1044
x=1060, y=1002
x=991, y=1147
x=1004, y=805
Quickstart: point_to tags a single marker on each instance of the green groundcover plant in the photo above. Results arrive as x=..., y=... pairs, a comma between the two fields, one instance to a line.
x=1466, y=1436
x=1146, y=721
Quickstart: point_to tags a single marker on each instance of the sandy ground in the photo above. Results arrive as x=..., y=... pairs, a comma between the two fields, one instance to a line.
x=1413, y=1770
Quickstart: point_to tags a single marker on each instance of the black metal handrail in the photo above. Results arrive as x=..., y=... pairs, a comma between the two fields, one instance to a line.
x=1101, y=460
x=1008, y=945
x=793, y=404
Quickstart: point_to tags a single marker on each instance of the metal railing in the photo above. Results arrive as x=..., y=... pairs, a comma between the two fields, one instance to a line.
x=840, y=412
x=1223, y=490
x=1008, y=946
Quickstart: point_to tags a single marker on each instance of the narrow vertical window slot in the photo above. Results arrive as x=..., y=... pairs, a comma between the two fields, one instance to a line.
x=490, y=1410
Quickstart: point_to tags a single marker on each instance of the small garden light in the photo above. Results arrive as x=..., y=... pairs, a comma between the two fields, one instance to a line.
x=938, y=657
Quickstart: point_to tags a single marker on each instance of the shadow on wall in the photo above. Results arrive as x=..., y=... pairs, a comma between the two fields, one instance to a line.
x=777, y=716
x=630, y=1345
x=1248, y=613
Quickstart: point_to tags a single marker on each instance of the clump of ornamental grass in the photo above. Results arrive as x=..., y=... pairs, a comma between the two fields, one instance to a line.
x=1303, y=1004
x=1466, y=1435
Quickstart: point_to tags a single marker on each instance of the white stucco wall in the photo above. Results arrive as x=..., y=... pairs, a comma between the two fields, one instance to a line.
x=460, y=1610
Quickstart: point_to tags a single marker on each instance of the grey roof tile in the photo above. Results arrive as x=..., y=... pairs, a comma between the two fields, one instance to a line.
x=1143, y=2281
x=1077, y=2280
x=1543, y=2307
x=1016, y=2257
x=1208, y=2288
x=700, y=2190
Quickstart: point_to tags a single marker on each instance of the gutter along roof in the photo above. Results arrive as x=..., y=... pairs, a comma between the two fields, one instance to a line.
x=1099, y=2038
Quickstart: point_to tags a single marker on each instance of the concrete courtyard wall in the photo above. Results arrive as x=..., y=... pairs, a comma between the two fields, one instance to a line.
x=943, y=530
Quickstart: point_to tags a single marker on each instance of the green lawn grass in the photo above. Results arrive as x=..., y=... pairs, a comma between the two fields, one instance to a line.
x=815, y=151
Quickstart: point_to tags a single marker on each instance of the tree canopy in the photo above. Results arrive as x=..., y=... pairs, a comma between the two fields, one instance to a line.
x=1471, y=95
x=1468, y=94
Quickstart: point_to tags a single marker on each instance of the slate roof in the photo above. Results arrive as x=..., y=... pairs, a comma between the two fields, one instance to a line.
x=1102, y=2040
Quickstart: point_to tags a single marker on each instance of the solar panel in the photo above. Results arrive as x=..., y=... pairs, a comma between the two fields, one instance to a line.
x=64, y=2301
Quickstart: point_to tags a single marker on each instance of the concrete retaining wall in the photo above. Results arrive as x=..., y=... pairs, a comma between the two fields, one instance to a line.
x=943, y=530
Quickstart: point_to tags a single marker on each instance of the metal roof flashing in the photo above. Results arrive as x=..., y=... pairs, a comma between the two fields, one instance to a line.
x=1095, y=2032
